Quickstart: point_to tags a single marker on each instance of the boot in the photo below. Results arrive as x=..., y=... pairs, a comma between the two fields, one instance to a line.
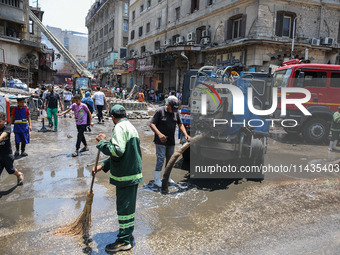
x=330, y=147
x=158, y=180
x=171, y=181
x=334, y=148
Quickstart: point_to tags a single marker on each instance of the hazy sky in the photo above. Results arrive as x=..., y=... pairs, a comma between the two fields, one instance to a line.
x=65, y=14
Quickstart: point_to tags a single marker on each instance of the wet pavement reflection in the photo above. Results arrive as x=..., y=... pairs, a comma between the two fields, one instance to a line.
x=196, y=217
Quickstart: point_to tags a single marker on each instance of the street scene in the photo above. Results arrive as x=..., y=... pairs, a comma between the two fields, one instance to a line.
x=170, y=127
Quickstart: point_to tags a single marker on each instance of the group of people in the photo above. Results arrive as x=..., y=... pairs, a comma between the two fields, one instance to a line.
x=123, y=149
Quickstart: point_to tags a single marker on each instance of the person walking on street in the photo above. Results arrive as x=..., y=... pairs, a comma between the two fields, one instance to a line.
x=67, y=98
x=335, y=128
x=125, y=165
x=100, y=100
x=52, y=100
x=6, y=155
x=80, y=112
x=163, y=124
x=20, y=117
x=90, y=104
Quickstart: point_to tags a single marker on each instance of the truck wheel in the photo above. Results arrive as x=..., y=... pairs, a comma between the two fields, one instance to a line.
x=315, y=130
x=257, y=158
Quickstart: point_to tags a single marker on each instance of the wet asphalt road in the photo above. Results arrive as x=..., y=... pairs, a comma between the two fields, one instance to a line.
x=288, y=213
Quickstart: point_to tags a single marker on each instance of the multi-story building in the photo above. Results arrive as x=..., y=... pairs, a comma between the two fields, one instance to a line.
x=169, y=37
x=76, y=43
x=108, y=25
x=20, y=44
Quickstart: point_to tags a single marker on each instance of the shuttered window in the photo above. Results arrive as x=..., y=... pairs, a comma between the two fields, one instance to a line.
x=285, y=24
x=235, y=27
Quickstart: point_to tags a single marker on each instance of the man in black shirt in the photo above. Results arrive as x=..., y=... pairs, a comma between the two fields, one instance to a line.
x=163, y=123
x=6, y=156
x=52, y=100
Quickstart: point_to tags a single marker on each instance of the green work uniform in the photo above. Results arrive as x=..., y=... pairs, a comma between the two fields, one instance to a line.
x=125, y=165
x=335, y=126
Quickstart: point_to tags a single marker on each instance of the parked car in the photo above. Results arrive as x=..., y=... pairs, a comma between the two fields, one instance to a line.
x=16, y=83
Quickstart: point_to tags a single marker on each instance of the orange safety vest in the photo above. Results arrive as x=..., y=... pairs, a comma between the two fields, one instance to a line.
x=140, y=97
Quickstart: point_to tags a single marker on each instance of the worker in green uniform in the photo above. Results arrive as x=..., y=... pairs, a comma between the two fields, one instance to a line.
x=335, y=128
x=125, y=165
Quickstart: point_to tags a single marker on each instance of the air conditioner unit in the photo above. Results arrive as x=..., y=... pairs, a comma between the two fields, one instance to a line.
x=206, y=33
x=327, y=41
x=157, y=51
x=179, y=39
x=205, y=41
x=191, y=36
x=167, y=42
x=315, y=41
x=191, y=43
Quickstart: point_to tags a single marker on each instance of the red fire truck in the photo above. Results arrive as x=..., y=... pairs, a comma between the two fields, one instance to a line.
x=323, y=82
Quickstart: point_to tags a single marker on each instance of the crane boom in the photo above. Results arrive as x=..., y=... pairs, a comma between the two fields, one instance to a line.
x=60, y=47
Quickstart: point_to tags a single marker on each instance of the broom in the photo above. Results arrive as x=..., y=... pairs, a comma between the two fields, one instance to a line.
x=81, y=226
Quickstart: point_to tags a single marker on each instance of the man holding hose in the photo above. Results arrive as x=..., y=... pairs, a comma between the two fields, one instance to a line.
x=125, y=165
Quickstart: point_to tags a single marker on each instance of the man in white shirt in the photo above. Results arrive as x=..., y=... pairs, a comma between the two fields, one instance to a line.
x=99, y=100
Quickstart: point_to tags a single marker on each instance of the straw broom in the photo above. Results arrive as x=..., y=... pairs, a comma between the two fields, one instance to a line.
x=81, y=226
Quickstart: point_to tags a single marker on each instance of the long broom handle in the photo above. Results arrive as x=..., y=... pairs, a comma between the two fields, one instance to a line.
x=95, y=167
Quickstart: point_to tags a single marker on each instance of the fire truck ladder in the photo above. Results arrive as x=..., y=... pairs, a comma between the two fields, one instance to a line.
x=60, y=47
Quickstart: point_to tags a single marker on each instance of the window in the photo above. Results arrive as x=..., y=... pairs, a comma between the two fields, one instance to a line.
x=101, y=33
x=126, y=8
x=66, y=42
x=105, y=46
x=157, y=45
x=210, y=2
x=148, y=27
x=281, y=78
x=141, y=8
x=313, y=79
x=97, y=36
x=133, y=14
x=125, y=25
x=235, y=27
x=106, y=29
x=339, y=33
x=111, y=43
x=132, y=35
x=140, y=31
x=159, y=22
x=125, y=41
x=177, y=13
x=194, y=5
x=287, y=21
x=149, y=4
x=142, y=49
x=31, y=26
x=285, y=24
x=335, y=80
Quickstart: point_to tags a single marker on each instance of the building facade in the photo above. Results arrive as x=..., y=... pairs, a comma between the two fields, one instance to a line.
x=108, y=25
x=166, y=38
x=20, y=44
x=76, y=43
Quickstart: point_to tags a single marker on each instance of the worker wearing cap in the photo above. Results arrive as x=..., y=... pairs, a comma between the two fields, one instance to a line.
x=335, y=128
x=163, y=124
x=125, y=165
